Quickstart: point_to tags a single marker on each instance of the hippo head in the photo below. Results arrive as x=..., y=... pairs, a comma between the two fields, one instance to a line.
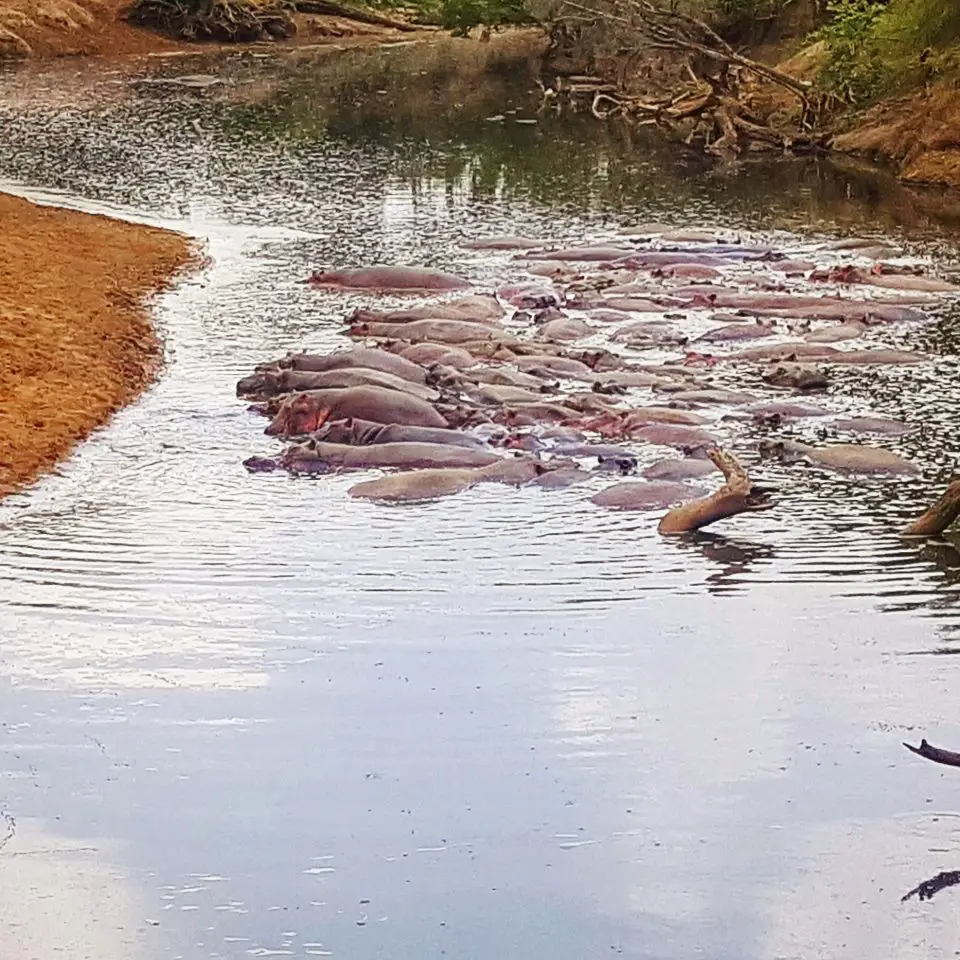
x=786, y=450
x=297, y=415
x=263, y=384
x=335, y=431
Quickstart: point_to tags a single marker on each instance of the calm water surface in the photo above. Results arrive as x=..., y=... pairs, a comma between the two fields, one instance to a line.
x=244, y=716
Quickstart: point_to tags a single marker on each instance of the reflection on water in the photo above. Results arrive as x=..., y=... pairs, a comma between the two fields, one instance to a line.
x=505, y=724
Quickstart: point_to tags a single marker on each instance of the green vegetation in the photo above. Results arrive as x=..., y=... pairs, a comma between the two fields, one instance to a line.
x=878, y=49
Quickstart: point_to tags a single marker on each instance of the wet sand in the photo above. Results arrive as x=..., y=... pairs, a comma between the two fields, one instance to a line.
x=76, y=342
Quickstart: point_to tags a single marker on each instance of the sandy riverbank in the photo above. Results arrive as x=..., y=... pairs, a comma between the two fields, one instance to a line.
x=76, y=342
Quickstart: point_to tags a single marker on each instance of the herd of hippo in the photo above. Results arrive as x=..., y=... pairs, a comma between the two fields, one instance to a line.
x=591, y=357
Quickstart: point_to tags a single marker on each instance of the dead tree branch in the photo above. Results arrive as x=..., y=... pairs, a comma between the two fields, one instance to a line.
x=939, y=517
x=738, y=495
x=928, y=752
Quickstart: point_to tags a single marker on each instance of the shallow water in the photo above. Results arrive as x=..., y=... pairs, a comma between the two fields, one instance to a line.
x=247, y=716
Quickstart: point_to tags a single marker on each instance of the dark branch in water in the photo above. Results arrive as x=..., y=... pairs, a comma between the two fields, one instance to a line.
x=948, y=757
x=930, y=888
x=940, y=516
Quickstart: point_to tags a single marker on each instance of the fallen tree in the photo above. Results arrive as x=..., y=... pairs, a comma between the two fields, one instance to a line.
x=709, y=104
x=242, y=21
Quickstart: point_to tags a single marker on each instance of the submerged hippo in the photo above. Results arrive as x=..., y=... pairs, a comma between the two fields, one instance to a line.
x=315, y=455
x=438, y=331
x=796, y=376
x=303, y=413
x=270, y=383
x=432, y=483
x=426, y=354
x=388, y=279
x=640, y=495
x=480, y=308
x=355, y=432
x=357, y=357
x=562, y=329
x=881, y=425
x=689, y=468
x=842, y=457
x=673, y=435
x=733, y=332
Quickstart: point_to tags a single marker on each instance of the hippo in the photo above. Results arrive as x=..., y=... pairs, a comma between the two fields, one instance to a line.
x=879, y=356
x=904, y=282
x=316, y=455
x=556, y=367
x=645, y=495
x=664, y=258
x=650, y=332
x=881, y=425
x=430, y=484
x=530, y=295
x=730, y=332
x=494, y=394
x=479, y=308
x=270, y=383
x=608, y=316
x=585, y=254
x=779, y=412
x=357, y=357
x=689, y=271
x=388, y=279
x=794, y=268
x=784, y=351
x=507, y=377
x=565, y=328
x=637, y=304
x=842, y=457
x=303, y=413
x=622, y=423
x=530, y=414
x=503, y=243
x=674, y=435
x=869, y=311
x=796, y=376
x=689, y=468
x=708, y=396
x=631, y=378
x=355, y=432
x=425, y=354
x=850, y=330
x=438, y=331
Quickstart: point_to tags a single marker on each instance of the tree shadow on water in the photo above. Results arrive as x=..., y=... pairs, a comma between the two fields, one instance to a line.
x=733, y=557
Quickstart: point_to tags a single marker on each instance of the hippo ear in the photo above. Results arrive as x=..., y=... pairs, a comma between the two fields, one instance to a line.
x=348, y=423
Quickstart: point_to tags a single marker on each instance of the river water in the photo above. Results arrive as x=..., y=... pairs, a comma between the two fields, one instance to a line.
x=246, y=716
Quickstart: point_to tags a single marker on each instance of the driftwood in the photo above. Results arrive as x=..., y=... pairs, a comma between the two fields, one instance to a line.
x=738, y=495
x=948, y=757
x=930, y=888
x=243, y=21
x=940, y=516
x=710, y=110
x=350, y=13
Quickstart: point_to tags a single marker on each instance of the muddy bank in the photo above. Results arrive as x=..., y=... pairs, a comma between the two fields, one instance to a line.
x=75, y=340
x=919, y=136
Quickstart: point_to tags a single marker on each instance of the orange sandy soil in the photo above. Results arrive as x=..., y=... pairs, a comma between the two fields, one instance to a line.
x=76, y=343
x=919, y=136
x=53, y=28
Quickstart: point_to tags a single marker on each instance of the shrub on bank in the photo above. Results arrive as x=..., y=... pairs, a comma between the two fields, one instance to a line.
x=878, y=48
